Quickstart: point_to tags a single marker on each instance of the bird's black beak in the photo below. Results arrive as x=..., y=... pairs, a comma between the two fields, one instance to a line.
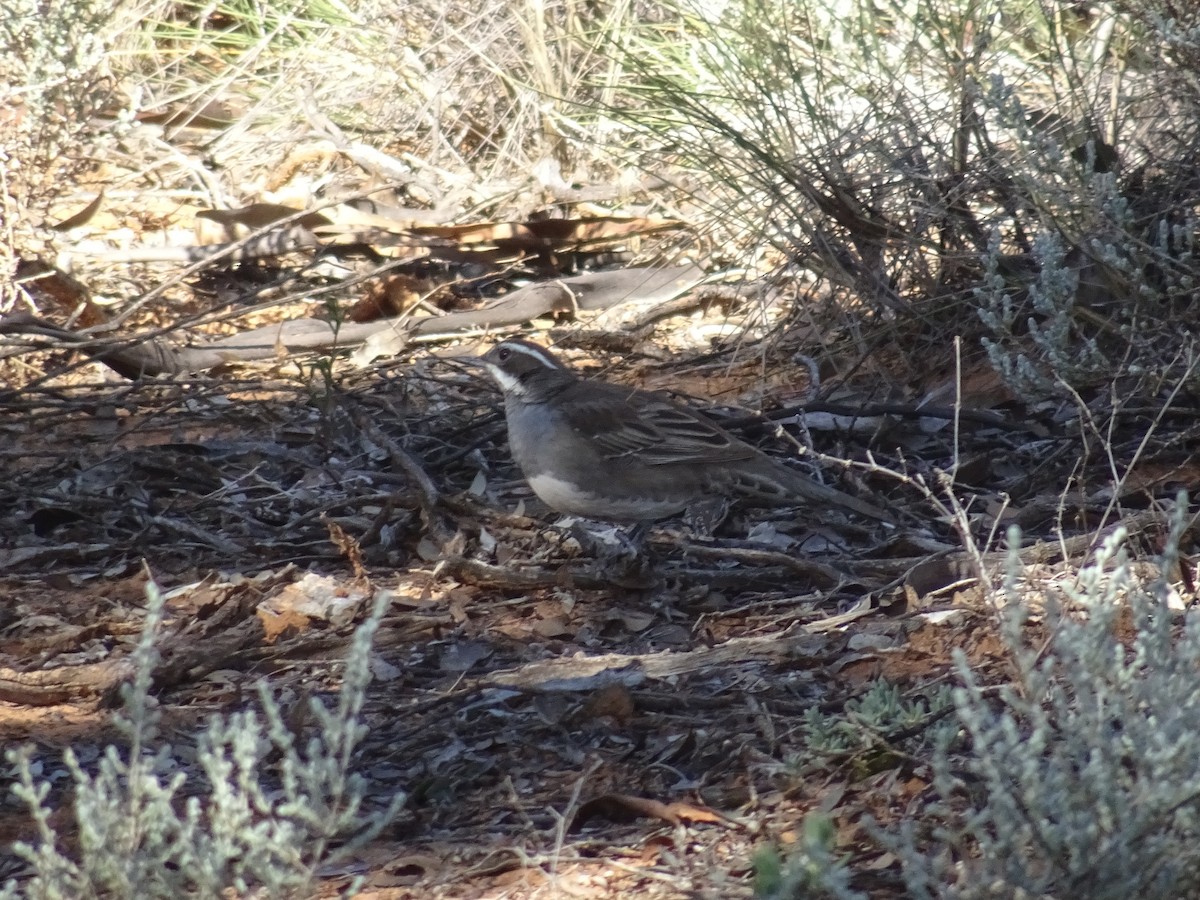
x=465, y=362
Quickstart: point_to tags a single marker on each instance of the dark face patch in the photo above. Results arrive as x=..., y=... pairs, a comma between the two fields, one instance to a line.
x=513, y=363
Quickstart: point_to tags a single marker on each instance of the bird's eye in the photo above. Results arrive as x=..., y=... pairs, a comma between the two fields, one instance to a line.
x=503, y=353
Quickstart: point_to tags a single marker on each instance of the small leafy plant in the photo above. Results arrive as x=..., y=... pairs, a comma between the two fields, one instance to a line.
x=149, y=829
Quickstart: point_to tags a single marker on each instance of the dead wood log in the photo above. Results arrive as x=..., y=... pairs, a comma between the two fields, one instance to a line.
x=158, y=355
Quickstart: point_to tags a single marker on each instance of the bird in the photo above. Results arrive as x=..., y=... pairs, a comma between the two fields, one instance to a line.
x=604, y=451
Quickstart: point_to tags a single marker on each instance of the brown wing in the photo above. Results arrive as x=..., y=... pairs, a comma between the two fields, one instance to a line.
x=622, y=421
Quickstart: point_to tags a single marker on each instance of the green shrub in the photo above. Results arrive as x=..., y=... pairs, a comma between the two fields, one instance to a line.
x=264, y=815
x=1083, y=777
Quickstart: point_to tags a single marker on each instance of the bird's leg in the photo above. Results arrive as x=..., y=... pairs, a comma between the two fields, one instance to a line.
x=623, y=556
x=634, y=540
x=612, y=541
x=705, y=516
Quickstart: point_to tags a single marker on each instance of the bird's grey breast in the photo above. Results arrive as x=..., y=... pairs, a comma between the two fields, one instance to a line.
x=533, y=432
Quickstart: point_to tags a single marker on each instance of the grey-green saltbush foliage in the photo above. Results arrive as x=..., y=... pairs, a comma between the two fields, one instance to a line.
x=138, y=840
x=1085, y=772
x=1064, y=356
x=880, y=712
x=813, y=868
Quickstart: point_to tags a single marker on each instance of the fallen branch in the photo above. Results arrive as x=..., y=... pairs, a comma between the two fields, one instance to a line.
x=156, y=356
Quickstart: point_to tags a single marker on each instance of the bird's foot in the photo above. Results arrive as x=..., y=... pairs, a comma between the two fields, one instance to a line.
x=622, y=557
x=705, y=516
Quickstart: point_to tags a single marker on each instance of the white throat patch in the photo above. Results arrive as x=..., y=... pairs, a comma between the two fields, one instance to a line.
x=507, y=382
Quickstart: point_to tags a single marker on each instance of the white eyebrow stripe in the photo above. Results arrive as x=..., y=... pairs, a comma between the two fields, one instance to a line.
x=538, y=353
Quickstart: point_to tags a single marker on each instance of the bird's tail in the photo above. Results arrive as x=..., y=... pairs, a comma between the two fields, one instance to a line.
x=779, y=484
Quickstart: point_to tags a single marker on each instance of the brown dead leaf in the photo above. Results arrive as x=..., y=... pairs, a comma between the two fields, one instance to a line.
x=636, y=620
x=347, y=545
x=877, y=863
x=45, y=282
x=82, y=217
x=553, y=627
x=391, y=296
x=626, y=808
x=260, y=215
x=612, y=701
x=832, y=797
x=912, y=787
x=1150, y=475
x=654, y=847
x=458, y=600
x=406, y=870
x=847, y=834
x=547, y=234
x=461, y=656
x=284, y=624
x=312, y=598
x=216, y=114
x=978, y=387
